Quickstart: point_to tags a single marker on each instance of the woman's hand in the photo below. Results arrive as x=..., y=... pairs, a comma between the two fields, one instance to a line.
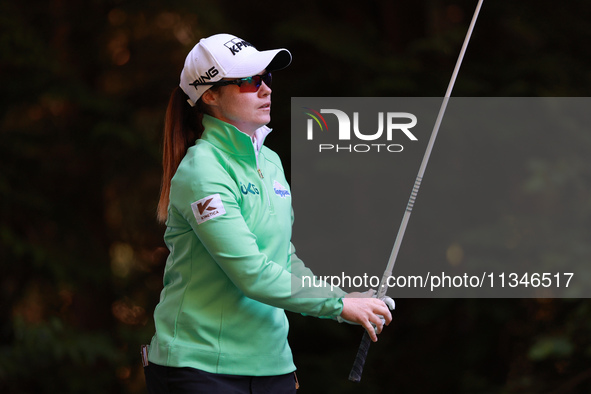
x=363, y=309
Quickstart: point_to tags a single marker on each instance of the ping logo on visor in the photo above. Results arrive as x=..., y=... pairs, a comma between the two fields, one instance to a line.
x=208, y=208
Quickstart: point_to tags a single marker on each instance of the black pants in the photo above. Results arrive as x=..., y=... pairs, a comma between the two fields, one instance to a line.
x=171, y=380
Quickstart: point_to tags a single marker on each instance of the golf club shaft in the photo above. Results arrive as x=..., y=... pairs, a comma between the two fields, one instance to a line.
x=357, y=369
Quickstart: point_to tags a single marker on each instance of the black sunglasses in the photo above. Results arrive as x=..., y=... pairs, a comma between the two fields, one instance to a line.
x=247, y=85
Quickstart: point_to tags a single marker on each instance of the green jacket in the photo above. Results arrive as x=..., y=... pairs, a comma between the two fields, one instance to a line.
x=228, y=277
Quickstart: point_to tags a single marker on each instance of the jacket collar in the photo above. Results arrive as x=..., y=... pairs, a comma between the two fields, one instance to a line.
x=229, y=139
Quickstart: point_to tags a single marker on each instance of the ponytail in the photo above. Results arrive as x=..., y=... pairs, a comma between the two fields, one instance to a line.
x=182, y=126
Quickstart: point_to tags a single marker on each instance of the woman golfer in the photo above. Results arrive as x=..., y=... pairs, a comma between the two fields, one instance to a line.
x=220, y=322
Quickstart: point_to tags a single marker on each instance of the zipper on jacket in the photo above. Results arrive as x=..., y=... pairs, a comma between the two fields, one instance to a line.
x=256, y=160
x=270, y=203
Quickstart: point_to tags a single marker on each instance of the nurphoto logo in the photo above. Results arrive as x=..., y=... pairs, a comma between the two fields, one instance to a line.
x=389, y=125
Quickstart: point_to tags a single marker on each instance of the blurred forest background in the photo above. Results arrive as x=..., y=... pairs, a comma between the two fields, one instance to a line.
x=84, y=89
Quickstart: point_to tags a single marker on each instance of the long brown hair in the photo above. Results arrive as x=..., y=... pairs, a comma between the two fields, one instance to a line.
x=182, y=126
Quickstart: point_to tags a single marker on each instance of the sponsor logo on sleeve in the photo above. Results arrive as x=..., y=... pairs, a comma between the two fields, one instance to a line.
x=280, y=190
x=208, y=208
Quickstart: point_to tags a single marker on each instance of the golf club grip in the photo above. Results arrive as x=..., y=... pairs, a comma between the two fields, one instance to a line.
x=357, y=369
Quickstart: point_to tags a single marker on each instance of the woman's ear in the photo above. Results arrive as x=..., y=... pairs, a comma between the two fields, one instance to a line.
x=209, y=97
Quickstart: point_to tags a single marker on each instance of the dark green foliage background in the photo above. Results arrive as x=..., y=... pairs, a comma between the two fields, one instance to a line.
x=84, y=86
